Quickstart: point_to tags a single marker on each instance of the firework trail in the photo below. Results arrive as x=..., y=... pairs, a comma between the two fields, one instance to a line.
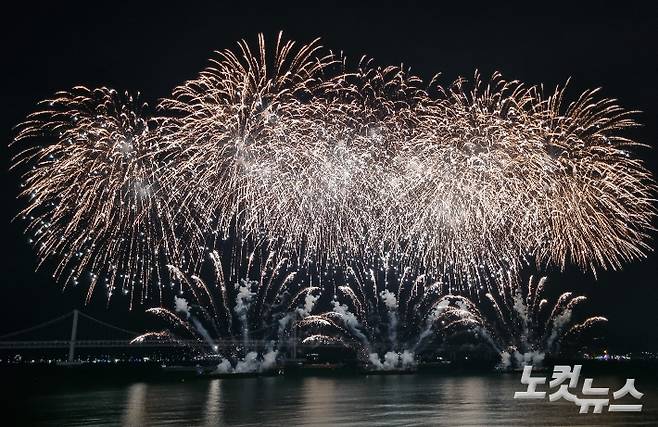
x=388, y=313
x=523, y=326
x=392, y=315
x=260, y=304
x=468, y=182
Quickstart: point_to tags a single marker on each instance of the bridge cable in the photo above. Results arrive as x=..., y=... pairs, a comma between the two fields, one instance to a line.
x=107, y=325
x=40, y=325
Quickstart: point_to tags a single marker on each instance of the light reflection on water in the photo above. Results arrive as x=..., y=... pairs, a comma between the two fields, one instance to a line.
x=317, y=401
x=134, y=414
x=213, y=410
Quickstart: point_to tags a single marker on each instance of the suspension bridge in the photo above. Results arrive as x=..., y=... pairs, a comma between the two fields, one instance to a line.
x=72, y=342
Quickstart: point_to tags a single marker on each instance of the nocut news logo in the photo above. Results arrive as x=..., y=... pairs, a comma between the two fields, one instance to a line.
x=591, y=397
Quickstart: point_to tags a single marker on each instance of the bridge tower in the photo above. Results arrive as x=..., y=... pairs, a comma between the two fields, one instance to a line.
x=74, y=332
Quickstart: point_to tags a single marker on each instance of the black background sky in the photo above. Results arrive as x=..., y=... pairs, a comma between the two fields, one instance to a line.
x=152, y=47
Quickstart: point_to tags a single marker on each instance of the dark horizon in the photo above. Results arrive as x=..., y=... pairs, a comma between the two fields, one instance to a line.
x=153, y=48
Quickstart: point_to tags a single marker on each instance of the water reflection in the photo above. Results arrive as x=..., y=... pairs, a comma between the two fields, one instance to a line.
x=213, y=404
x=135, y=412
x=318, y=400
x=315, y=401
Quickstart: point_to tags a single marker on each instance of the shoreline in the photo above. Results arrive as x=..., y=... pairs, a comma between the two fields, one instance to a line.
x=27, y=373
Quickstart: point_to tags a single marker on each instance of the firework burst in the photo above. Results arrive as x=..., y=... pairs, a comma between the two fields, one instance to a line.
x=94, y=191
x=467, y=183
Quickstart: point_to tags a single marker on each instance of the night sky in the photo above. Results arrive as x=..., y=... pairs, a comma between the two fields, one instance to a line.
x=152, y=48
